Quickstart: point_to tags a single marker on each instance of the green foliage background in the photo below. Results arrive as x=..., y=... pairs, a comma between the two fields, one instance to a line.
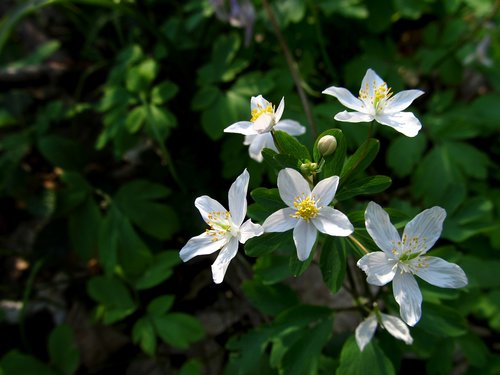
x=111, y=124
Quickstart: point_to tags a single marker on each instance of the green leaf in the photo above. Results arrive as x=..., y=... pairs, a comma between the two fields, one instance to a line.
x=360, y=160
x=16, y=363
x=191, y=367
x=354, y=362
x=143, y=333
x=159, y=270
x=159, y=122
x=163, y=92
x=178, y=330
x=84, y=224
x=304, y=353
x=252, y=83
x=109, y=233
x=62, y=152
x=228, y=108
x=269, y=243
x=271, y=269
x=113, y=296
x=269, y=299
x=288, y=145
x=205, y=98
x=405, y=153
x=63, y=351
x=365, y=185
x=482, y=273
x=135, y=199
x=270, y=198
x=141, y=76
x=302, y=316
x=334, y=162
x=135, y=119
x=442, y=321
x=298, y=267
x=469, y=159
x=474, y=349
x=333, y=262
x=160, y=305
x=41, y=53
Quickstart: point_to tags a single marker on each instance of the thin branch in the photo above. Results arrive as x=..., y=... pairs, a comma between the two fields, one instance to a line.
x=292, y=66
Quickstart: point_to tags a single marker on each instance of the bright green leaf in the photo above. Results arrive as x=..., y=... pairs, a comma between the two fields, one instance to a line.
x=143, y=333
x=354, y=362
x=160, y=305
x=178, y=330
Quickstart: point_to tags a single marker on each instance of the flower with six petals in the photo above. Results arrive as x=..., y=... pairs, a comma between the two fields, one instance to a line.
x=307, y=212
x=403, y=257
x=226, y=228
x=377, y=102
x=257, y=131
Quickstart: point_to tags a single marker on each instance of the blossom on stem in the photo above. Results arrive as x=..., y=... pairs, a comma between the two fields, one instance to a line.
x=377, y=102
x=395, y=326
x=307, y=212
x=257, y=131
x=403, y=257
x=226, y=228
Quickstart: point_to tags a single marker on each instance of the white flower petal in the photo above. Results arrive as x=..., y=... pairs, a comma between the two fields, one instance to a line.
x=370, y=82
x=291, y=127
x=258, y=102
x=264, y=123
x=345, y=97
x=325, y=190
x=439, y=272
x=249, y=230
x=365, y=330
x=280, y=221
x=378, y=268
x=241, y=127
x=291, y=184
x=401, y=101
x=260, y=142
x=332, y=222
x=237, y=198
x=408, y=296
x=424, y=230
x=380, y=228
x=207, y=205
x=403, y=122
x=200, y=245
x=353, y=117
x=225, y=256
x=279, y=111
x=304, y=236
x=397, y=328
x=249, y=139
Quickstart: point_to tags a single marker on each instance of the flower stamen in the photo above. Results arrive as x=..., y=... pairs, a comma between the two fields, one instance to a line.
x=306, y=207
x=256, y=112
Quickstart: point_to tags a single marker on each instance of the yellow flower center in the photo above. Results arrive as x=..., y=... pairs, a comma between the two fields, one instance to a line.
x=381, y=94
x=306, y=207
x=256, y=112
x=220, y=224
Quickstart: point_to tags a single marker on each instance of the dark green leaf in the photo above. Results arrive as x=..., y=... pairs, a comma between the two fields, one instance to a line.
x=16, y=363
x=271, y=268
x=191, y=367
x=288, y=145
x=365, y=185
x=143, y=333
x=178, y=330
x=333, y=262
x=160, y=305
x=163, y=92
x=159, y=270
x=84, y=224
x=108, y=240
x=269, y=299
x=269, y=243
x=61, y=152
x=360, y=160
x=270, y=198
x=442, y=321
x=354, y=362
x=63, y=351
x=405, y=153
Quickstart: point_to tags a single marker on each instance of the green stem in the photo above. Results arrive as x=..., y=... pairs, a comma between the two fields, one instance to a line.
x=292, y=66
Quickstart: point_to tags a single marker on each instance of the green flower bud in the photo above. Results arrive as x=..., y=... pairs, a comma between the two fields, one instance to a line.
x=309, y=168
x=327, y=145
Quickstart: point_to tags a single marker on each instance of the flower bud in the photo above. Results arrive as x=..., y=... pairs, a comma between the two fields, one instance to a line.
x=308, y=168
x=327, y=145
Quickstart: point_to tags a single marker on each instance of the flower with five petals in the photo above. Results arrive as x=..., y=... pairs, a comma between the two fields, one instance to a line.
x=403, y=257
x=226, y=228
x=307, y=212
x=257, y=131
x=377, y=102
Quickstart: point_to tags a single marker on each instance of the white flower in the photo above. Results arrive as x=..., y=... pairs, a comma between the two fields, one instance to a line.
x=395, y=326
x=264, y=119
x=376, y=102
x=226, y=228
x=307, y=211
x=404, y=257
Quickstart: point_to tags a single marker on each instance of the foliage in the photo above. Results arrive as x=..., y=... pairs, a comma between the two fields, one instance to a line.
x=112, y=118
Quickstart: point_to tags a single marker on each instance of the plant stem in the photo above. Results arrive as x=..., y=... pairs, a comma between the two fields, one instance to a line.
x=359, y=244
x=292, y=66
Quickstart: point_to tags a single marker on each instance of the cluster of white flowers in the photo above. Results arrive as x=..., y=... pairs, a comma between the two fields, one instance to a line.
x=309, y=211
